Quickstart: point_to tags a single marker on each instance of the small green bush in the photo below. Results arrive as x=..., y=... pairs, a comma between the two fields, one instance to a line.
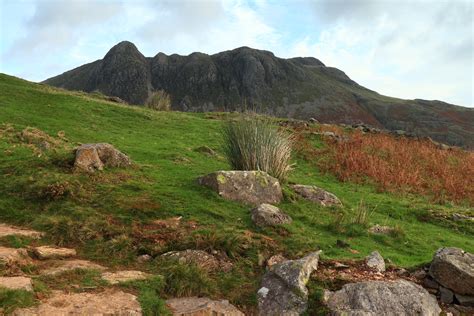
x=253, y=143
x=159, y=101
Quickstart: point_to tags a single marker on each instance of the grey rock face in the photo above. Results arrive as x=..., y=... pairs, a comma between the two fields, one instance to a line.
x=283, y=290
x=316, y=195
x=250, y=187
x=372, y=298
x=269, y=215
x=91, y=157
x=375, y=261
x=295, y=87
x=454, y=269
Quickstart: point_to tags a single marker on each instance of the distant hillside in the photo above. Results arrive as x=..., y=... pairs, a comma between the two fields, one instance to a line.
x=301, y=87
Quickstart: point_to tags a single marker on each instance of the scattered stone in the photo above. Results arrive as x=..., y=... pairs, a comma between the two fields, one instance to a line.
x=144, y=258
x=399, y=298
x=453, y=268
x=401, y=272
x=419, y=274
x=446, y=296
x=381, y=230
x=16, y=283
x=206, y=150
x=375, y=262
x=275, y=260
x=200, y=258
x=115, y=100
x=340, y=266
x=12, y=256
x=47, y=252
x=430, y=283
x=465, y=300
x=461, y=217
x=251, y=187
x=124, y=276
x=91, y=157
x=283, y=290
x=315, y=194
x=313, y=120
x=201, y=306
x=69, y=265
x=269, y=215
x=110, y=302
x=7, y=230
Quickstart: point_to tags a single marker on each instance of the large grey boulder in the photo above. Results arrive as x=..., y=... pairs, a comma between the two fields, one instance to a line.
x=251, y=187
x=283, y=290
x=91, y=157
x=269, y=215
x=453, y=268
x=373, y=298
x=316, y=195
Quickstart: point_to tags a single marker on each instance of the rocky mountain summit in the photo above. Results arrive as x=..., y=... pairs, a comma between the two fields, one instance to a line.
x=301, y=87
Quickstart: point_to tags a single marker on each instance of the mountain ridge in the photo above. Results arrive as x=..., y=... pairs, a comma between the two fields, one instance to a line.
x=298, y=87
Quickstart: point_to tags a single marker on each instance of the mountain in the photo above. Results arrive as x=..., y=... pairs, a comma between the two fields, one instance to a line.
x=300, y=87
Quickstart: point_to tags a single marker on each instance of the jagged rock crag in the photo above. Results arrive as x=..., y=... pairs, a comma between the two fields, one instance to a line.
x=296, y=87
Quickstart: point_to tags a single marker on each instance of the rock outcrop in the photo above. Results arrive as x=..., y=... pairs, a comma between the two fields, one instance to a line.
x=250, y=187
x=124, y=276
x=227, y=80
x=269, y=215
x=60, y=266
x=283, y=290
x=16, y=283
x=48, y=252
x=453, y=268
x=316, y=195
x=201, y=306
x=91, y=157
x=8, y=230
x=401, y=298
x=13, y=256
x=451, y=276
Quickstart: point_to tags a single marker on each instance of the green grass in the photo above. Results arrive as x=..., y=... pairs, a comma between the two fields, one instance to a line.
x=12, y=299
x=101, y=214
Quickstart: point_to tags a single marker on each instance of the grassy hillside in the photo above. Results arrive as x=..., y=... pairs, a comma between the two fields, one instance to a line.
x=108, y=216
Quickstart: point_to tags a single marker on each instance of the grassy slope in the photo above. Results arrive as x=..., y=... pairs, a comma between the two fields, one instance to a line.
x=164, y=184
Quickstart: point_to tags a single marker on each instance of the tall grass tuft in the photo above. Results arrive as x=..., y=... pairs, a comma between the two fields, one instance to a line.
x=159, y=101
x=252, y=142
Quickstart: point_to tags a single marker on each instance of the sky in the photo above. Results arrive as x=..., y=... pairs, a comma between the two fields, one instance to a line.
x=404, y=48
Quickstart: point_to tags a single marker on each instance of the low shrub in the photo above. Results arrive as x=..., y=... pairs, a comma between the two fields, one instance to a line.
x=252, y=142
x=403, y=165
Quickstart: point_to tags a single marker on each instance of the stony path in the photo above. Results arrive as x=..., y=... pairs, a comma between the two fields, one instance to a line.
x=7, y=230
x=52, y=261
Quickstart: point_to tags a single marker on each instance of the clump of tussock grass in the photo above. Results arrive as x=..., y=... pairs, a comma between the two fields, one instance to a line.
x=159, y=101
x=252, y=142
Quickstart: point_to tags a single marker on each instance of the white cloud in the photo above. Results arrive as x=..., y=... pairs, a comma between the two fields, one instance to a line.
x=421, y=50
x=415, y=49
